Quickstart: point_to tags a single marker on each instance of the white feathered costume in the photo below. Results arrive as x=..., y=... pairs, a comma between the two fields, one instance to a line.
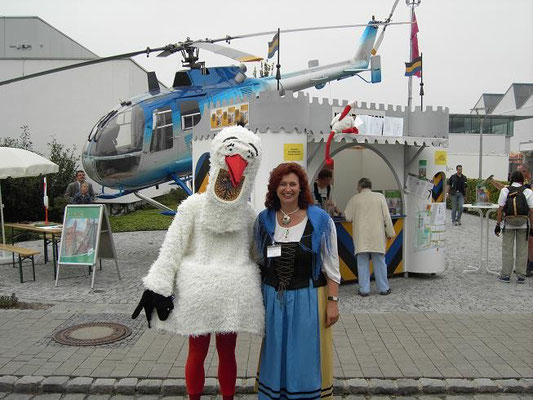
x=205, y=258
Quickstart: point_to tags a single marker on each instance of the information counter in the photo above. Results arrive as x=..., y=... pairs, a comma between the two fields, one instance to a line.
x=347, y=260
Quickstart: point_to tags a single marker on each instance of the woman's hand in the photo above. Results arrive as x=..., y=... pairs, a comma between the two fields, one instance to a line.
x=332, y=313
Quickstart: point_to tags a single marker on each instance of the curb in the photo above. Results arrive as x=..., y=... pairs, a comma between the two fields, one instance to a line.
x=132, y=386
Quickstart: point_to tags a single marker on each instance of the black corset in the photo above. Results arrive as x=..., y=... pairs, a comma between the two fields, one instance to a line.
x=293, y=269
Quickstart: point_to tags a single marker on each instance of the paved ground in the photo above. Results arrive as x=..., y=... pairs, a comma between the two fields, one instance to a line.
x=18, y=396
x=453, y=325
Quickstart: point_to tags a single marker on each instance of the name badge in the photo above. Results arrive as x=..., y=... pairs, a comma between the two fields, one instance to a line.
x=274, y=251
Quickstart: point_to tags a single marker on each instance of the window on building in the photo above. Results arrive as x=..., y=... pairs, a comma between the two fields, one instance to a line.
x=190, y=114
x=162, y=136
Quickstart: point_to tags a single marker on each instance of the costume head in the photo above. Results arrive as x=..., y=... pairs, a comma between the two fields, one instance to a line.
x=235, y=157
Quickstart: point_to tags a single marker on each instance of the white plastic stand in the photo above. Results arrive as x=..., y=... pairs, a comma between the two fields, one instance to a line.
x=483, y=236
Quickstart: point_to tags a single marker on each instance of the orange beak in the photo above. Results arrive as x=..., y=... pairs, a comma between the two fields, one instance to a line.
x=236, y=165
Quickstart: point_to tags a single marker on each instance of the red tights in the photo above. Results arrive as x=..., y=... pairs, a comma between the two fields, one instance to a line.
x=227, y=365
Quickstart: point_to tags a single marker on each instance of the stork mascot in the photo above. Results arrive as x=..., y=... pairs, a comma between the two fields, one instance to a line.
x=205, y=262
x=342, y=123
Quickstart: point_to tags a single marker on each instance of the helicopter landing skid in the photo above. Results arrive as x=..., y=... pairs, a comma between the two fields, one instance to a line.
x=155, y=203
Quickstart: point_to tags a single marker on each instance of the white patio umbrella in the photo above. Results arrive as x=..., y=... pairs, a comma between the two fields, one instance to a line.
x=18, y=163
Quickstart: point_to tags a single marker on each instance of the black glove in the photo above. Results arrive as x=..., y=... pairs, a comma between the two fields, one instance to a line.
x=151, y=300
x=497, y=230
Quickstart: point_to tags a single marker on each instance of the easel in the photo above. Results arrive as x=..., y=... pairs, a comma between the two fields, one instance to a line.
x=86, y=238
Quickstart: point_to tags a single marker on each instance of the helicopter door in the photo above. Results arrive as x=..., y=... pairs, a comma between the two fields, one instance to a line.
x=162, y=135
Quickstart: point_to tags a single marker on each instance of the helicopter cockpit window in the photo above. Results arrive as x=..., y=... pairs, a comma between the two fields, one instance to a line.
x=190, y=114
x=162, y=136
x=121, y=134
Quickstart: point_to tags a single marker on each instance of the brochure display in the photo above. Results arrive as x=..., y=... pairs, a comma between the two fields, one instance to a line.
x=86, y=238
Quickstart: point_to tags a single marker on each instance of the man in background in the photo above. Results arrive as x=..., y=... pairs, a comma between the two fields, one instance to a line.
x=457, y=192
x=371, y=226
x=75, y=187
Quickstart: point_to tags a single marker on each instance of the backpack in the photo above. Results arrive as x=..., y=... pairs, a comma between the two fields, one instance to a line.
x=516, y=209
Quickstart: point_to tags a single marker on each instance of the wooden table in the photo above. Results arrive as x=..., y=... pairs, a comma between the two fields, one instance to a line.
x=53, y=229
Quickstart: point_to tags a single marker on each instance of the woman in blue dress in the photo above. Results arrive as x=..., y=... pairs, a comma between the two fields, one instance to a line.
x=297, y=252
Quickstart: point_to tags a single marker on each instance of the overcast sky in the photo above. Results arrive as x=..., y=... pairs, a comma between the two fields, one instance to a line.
x=469, y=46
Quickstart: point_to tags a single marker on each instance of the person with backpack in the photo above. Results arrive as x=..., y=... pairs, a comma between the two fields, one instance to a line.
x=516, y=210
x=457, y=192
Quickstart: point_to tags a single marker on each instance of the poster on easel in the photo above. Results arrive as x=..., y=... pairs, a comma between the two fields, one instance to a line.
x=86, y=238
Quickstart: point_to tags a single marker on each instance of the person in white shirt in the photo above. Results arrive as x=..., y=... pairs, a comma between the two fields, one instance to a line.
x=516, y=205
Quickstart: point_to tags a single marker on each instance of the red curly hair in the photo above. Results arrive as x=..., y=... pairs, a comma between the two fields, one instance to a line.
x=276, y=175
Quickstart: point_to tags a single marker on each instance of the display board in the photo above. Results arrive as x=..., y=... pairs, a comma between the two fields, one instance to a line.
x=86, y=237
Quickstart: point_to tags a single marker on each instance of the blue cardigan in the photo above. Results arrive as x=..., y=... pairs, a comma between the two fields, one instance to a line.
x=266, y=224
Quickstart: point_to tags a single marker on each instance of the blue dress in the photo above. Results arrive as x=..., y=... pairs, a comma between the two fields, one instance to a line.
x=296, y=359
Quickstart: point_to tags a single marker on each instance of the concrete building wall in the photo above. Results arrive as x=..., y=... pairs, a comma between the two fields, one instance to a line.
x=464, y=149
x=65, y=105
x=31, y=37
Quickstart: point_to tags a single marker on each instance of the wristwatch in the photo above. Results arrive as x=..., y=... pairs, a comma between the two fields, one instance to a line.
x=333, y=298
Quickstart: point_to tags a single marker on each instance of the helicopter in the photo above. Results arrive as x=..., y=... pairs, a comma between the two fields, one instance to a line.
x=147, y=140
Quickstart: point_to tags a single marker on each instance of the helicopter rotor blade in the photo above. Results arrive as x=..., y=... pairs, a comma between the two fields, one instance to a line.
x=234, y=54
x=146, y=51
x=380, y=38
x=173, y=48
x=227, y=38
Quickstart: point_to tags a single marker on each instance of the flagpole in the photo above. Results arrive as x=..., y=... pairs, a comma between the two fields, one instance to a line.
x=278, y=66
x=421, y=81
x=410, y=81
x=412, y=4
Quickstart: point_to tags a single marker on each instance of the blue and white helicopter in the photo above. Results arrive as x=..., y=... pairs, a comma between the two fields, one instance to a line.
x=146, y=140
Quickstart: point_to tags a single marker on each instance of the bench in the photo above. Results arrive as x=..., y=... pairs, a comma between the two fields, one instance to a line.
x=23, y=254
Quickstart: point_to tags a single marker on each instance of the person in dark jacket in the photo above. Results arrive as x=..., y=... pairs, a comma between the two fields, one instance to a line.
x=457, y=192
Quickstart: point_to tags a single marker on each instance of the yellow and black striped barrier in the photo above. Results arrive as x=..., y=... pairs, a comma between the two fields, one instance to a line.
x=201, y=173
x=439, y=183
x=347, y=260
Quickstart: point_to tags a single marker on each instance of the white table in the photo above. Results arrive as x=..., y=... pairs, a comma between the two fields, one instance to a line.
x=483, y=235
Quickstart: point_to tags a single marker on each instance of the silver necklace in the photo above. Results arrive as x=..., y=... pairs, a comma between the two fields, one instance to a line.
x=286, y=220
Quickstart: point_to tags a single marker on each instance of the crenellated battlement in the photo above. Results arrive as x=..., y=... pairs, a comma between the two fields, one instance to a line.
x=298, y=112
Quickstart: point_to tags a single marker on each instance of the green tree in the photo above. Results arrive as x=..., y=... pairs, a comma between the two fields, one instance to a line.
x=67, y=161
x=23, y=197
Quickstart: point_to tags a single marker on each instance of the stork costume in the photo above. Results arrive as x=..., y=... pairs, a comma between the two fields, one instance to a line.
x=205, y=261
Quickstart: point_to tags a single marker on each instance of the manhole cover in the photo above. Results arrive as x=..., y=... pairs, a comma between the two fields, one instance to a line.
x=92, y=334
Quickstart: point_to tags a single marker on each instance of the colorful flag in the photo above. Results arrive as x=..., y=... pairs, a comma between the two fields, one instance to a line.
x=273, y=46
x=414, y=46
x=414, y=67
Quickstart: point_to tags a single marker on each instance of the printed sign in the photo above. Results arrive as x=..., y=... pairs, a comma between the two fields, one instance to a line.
x=80, y=229
x=441, y=157
x=293, y=152
x=86, y=238
x=229, y=116
x=431, y=227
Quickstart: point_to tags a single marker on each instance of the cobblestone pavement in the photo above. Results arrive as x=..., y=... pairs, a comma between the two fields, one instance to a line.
x=451, y=325
x=452, y=291
x=19, y=396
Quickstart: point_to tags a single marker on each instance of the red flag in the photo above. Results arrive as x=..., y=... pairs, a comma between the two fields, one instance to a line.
x=414, y=42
